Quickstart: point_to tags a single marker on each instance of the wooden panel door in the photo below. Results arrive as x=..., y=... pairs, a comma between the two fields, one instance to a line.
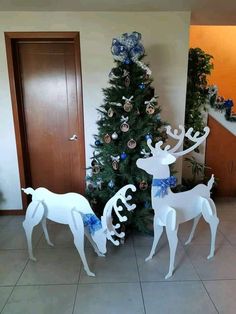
x=221, y=157
x=51, y=122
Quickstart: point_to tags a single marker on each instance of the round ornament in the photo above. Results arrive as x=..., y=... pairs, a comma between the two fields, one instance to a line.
x=96, y=169
x=128, y=106
x=90, y=186
x=114, y=136
x=124, y=127
x=141, y=86
x=131, y=144
x=127, y=81
x=115, y=164
x=110, y=112
x=143, y=185
x=107, y=138
x=98, y=143
x=150, y=109
x=123, y=156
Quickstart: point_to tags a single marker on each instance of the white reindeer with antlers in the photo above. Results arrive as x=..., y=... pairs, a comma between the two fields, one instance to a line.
x=170, y=208
x=74, y=209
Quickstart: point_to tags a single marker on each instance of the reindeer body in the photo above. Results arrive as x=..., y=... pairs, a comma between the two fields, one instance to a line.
x=170, y=208
x=74, y=210
x=184, y=210
x=63, y=203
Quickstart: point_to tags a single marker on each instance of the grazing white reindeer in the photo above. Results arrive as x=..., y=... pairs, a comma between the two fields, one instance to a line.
x=74, y=209
x=170, y=208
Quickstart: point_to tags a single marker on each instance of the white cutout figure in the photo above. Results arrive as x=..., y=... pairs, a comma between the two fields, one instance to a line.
x=74, y=209
x=170, y=208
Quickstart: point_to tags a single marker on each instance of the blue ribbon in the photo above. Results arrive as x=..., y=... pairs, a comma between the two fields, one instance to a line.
x=127, y=47
x=92, y=222
x=163, y=185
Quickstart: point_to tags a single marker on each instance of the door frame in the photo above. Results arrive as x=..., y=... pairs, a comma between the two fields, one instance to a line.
x=11, y=38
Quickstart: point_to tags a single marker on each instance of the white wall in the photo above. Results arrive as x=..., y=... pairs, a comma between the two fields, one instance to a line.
x=165, y=37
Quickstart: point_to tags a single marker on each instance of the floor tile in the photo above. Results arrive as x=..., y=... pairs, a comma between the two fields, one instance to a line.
x=12, y=236
x=157, y=268
x=227, y=211
x=4, y=220
x=60, y=235
x=109, y=298
x=177, y=298
x=228, y=228
x=221, y=266
x=12, y=263
x=202, y=233
x=119, y=265
x=146, y=240
x=4, y=294
x=53, y=266
x=222, y=294
x=41, y=299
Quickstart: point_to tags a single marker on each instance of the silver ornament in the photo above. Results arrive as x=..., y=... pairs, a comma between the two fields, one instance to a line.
x=114, y=136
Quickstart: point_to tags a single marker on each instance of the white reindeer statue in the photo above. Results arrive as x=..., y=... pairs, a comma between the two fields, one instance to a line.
x=74, y=210
x=170, y=208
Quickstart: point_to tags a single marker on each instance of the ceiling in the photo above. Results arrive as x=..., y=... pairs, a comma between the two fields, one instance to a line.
x=213, y=12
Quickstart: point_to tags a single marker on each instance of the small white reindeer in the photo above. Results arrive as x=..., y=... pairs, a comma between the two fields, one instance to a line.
x=170, y=208
x=74, y=209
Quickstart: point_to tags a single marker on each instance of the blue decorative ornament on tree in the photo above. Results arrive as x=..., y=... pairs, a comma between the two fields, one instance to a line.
x=148, y=136
x=123, y=156
x=111, y=184
x=141, y=86
x=98, y=143
x=127, y=47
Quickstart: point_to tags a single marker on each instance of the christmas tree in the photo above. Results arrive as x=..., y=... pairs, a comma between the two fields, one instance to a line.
x=129, y=115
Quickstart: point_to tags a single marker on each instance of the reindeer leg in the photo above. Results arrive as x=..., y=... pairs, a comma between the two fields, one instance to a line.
x=93, y=244
x=171, y=231
x=34, y=214
x=209, y=214
x=45, y=231
x=157, y=234
x=77, y=228
x=195, y=222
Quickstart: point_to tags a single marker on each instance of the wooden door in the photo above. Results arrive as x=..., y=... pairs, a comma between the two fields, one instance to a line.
x=50, y=113
x=220, y=156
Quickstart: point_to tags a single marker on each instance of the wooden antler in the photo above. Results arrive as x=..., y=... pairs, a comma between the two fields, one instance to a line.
x=176, y=136
x=195, y=138
x=112, y=205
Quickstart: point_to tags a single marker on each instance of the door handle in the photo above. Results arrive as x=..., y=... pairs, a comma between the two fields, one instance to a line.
x=74, y=137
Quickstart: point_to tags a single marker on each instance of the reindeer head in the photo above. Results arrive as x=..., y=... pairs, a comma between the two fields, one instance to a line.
x=157, y=164
x=108, y=230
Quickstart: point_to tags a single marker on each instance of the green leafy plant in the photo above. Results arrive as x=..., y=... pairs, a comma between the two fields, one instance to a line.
x=199, y=67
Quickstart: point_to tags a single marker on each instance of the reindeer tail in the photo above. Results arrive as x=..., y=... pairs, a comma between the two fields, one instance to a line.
x=211, y=182
x=28, y=191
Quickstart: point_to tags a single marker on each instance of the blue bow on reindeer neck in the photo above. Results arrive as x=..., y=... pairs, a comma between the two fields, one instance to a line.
x=92, y=222
x=163, y=185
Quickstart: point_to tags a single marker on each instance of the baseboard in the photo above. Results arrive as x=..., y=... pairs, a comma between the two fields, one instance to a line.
x=18, y=212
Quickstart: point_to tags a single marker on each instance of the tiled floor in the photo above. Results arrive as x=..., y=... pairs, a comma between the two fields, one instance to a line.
x=124, y=282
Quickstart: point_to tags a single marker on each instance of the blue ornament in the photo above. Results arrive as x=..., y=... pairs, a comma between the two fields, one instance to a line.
x=111, y=184
x=123, y=156
x=98, y=143
x=148, y=136
x=141, y=86
x=127, y=47
x=228, y=103
x=127, y=61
